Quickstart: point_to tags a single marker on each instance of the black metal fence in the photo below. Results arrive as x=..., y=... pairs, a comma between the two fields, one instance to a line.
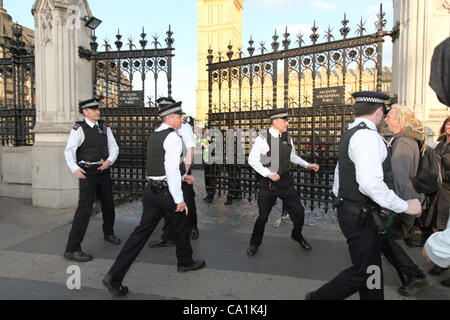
x=243, y=90
x=17, y=90
x=147, y=70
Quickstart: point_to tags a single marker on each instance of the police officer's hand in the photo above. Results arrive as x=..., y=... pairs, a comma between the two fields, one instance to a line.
x=314, y=167
x=274, y=176
x=181, y=207
x=104, y=165
x=80, y=174
x=414, y=207
x=189, y=179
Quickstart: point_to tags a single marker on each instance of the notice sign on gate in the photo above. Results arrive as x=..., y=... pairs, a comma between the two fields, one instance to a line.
x=329, y=96
x=131, y=98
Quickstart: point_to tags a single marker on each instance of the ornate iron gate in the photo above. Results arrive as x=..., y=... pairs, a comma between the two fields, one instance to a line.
x=127, y=70
x=242, y=92
x=17, y=90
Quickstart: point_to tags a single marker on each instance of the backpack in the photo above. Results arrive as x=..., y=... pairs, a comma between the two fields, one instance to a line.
x=428, y=176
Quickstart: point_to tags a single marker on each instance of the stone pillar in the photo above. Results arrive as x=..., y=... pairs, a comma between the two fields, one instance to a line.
x=62, y=80
x=423, y=25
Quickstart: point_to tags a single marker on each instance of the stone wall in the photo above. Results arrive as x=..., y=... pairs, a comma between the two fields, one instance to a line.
x=15, y=172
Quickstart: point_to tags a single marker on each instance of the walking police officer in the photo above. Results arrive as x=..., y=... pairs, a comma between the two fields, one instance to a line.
x=271, y=156
x=187, y=136
x=361, y=184
x=163, y=197
x=90, y=151
x=210, y=184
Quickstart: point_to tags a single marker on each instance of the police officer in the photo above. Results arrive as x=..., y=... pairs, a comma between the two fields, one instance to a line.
x=361, y=184
x=270, y=157
x=162, y=197
x=208, y=166
x=90, y=151
x=187, y=136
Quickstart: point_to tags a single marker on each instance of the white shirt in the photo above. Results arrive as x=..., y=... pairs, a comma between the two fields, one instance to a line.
x=368, y=151
x=261, y=147
x=187, y=135
x=438, y=247
x=173, y=147
x=76, y=139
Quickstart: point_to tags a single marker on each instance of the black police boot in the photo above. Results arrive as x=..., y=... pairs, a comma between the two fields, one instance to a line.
x=446, y=283
x=302, y=241
x=194, y=233
x=112, y=239
x=114, y=287
x=436, y=270
x=161, y=243
x=414, y=285
x=229, y=201
x=305, y=245
x=195, y=265
x=251, y=251
x=78, y=256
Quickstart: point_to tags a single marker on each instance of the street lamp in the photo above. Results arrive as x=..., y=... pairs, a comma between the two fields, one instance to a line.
x=92, y=22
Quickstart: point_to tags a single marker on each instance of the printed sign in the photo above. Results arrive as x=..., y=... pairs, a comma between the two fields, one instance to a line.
x=329, y=96
x=131, y=99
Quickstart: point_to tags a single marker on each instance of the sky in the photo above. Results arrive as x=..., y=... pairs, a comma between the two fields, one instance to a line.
x=260, y=19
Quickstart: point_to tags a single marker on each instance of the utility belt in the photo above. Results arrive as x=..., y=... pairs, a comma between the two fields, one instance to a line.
x=88, y=164
x=266, y=183
x=158, y=186
x=363, y=213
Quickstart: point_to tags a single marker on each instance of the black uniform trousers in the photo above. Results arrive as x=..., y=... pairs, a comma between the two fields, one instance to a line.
x=399, y=259
x=364, y=245
x=209, y=180
x=156, y=206
x=96, y=183
x=189, y=199
x=268, y=193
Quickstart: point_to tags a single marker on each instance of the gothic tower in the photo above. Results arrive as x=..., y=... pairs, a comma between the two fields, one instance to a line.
x=219, y=23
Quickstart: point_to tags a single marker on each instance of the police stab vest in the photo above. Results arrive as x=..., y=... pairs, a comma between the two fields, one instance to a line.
x=348, y=187
x=95, y=144
x=156, y=154
x=284, y=153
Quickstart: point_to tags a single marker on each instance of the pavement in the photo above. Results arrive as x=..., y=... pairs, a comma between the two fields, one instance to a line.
x=32, y=241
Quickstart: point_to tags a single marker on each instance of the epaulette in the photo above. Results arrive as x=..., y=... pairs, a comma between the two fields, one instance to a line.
x=362, y=125
x=77, y=125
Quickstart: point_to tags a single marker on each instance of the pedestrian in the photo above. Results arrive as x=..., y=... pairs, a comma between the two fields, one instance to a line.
x=408, y=143
x=187, y=136
x=208, y=165
x=360, y=185
x=438, y=215
x=271, y=156
x=90, y=151
x=162, y=197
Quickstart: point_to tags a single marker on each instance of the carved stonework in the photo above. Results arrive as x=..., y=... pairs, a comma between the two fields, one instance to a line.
x=46, y=22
